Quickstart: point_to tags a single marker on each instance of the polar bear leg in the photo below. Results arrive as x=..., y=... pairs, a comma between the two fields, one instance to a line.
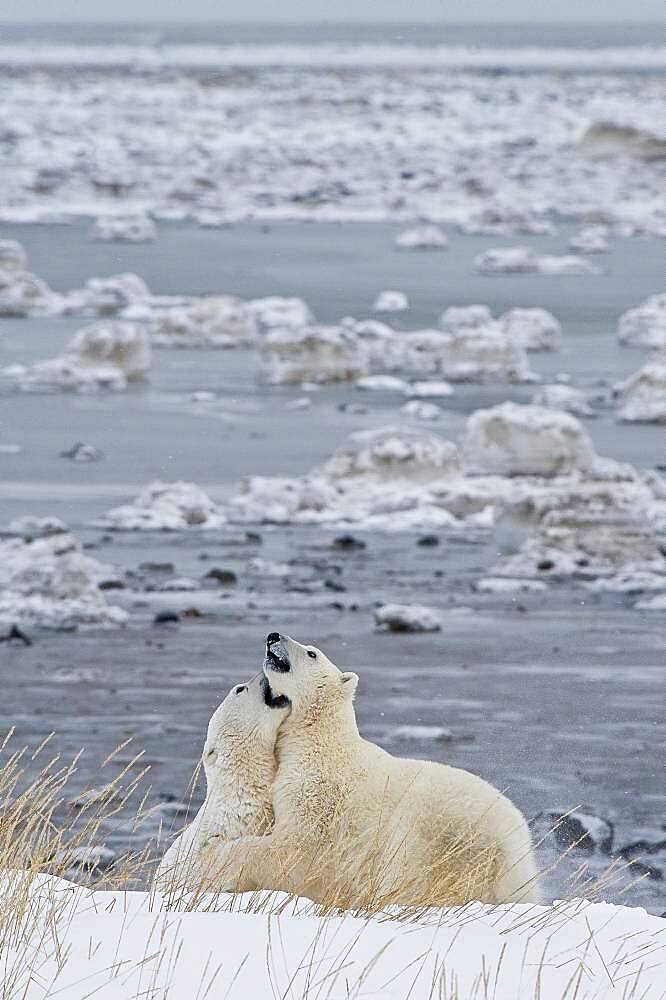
x=518, y=880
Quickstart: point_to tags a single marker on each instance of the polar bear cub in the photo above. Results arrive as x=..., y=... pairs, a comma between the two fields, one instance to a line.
x=355, y=826
x=240, y=766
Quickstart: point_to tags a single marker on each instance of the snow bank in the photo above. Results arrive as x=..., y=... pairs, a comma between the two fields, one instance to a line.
x=312, y=354
x=391, y=301
x=166, y=507
x=124, y=228
x=408, y=618
x=532, y=329
x=210, y=321
x=47, y=581
x=644, y=326
x=523, y=260
x=644, y=393
x=515, y=440
x=427, y=237
x=563, y=397
x=260, y=947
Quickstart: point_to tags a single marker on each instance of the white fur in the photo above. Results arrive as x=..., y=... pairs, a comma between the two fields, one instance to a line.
x=385, y=830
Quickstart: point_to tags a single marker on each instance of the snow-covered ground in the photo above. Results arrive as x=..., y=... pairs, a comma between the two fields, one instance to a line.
x=117, y=945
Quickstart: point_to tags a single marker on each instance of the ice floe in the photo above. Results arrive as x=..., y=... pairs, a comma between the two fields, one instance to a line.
x=426, y=237
x=532, y=329
x=456, y=317
x=163, y=506
x=276, y=311
x=421, y=411
x=645, y=325
x=312, y=354
x=563, y=397
x=590, y=239
x=408, y=618
x=391, y=301
x=470, y=354
x=66, y=373
x=643, y=395
x=124, y=228
x=21, y=292
x=524, y=260
x=113, y=343
x=108, y=296
x=210, y=321
x=515, y=440
x=47, y=581
x=609, y=139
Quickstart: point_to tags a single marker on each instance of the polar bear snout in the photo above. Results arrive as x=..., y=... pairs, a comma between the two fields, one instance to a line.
x=277, y=657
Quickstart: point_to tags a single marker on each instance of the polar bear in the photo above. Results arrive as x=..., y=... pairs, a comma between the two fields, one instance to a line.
x=240, y=765
x=357, y=827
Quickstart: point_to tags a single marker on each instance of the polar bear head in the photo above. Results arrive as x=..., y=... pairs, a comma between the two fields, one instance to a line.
x=244, y=727
x=305, y=676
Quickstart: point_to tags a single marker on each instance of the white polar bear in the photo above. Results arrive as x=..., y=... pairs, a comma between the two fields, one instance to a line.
x=357, y=827
x=240, y=765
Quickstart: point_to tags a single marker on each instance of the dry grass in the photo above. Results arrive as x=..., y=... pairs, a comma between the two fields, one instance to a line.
x=41, y=831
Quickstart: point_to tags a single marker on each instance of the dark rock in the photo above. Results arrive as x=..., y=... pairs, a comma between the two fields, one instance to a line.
x=225, y=577
x=192, y=613
x=546, y=564
x=580, y=829
x=335, y=586
x=166, y=618
x=428, y=540
x=111, y=585
x=253, y=538
x=16, y=634
x=639, y=868
x=346, y=543
x=82, y=452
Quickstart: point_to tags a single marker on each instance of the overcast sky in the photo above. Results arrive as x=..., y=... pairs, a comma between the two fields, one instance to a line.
x=331, y=10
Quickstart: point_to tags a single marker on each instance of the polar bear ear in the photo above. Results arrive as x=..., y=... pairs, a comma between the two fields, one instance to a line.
x=349, y=683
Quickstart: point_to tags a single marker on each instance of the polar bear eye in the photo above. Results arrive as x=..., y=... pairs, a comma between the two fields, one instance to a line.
x=312, y=654
x=240, y=689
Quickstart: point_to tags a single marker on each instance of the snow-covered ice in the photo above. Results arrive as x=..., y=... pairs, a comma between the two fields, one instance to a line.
x=408, y=618
x=464, y=316
x=162, y=506
x=426, y=237
x=124, y=229
x=645, y=325
x=115, y=344
x=524, y=260
x=563, y=397
x=390, y=301
x=312, y=354
x=278, y=312
x=421, y=411
x=532, y=329
x=67, y=373
x=643, y=395
x=208, y=321
x=108, y=296
x=590, y=239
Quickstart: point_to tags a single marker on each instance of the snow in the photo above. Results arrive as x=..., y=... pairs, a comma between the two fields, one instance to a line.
x=430, y=390
x=507, y=585
x=609, y=139
x=426, y=237
x=643, y=396
x=66, y=373
x=532, y=329
x=108, y=296
x=458, y=316
x=590, y=239
x=470, y=354
x=563, y=397
x=382, y=383
x=23, y=294
x=166, y=507
x=118, y=944
x=421, y=411
x=124, y=228
x=276, y=311
x=312, y=354
x=515, y=440
x=523, y=260
x=47, y=581
x=13, y=256
x=391, y=301
x=656, y=603
x=210, y=321
x=408, y=618
x=645, y=325
x=417, y=732
x=115, y=344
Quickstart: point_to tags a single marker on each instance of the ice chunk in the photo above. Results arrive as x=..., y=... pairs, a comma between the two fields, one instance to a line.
x=112, y=343
x=383, y=383
x=429, y=390
x=390, y=453
x=276, y=312
x=508, y=585
x=516, y=440
x=166, y=507
x=421, y=411
x=408, y=618
x=124, y=228
x=644, y=393
x=418, y=732
x=390, y=301
x=426, y=237
x=591, y=239
x=23, y=294
x=465, y=316
x=312, y=354
x=656, y=603
x=48, y=582
x=609, y=139
x=524, y=260
x=211, y=321
x=13, y=256
x=563, y=397
x=472, y=354
x=644, y=326
x=532, y=329
x=108, y=296
x=67, y=373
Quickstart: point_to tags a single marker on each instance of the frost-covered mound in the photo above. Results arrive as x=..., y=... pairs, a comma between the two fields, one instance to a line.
x=515, y=440
x=47, y=581
x=261, y=946
x=644, y=393
x=523, y=260
x=563, y=397
x=591, y=239
x=166, y=507
x=426, y=237
x=104, y=355
x=108, y=296
x=21, y=292
x=124, y=228
x=456, y=317
x=532, y=329
x=391, y=301
x=644, y=326
x=276, y=312
x=312, y=354
x=210, y=321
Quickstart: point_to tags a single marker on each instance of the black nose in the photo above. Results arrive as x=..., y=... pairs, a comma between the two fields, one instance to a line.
x=272, y=637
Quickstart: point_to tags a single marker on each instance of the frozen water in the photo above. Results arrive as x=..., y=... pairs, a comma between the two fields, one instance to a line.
x=532, y=329
x=124, y=228
x=590, y=239
x=523, y=260
x=211, y=321
x=390, y=301
x=166, y=507
x=408, y=618
x=108, y=296
x=115, y=344
x=644, y=326
x=563, y=397
x=643, y=398
x=465, y=316
x=426, y=237
x=312, y=354
x=282, y=313
x=421, y=411
x=67, y=373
